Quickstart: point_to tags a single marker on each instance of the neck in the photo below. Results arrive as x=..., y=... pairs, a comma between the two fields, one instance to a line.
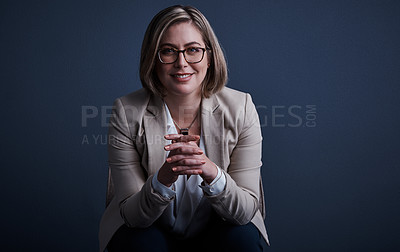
x=183, y=109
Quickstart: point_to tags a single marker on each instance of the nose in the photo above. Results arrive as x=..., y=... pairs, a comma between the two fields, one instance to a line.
x=180, y=61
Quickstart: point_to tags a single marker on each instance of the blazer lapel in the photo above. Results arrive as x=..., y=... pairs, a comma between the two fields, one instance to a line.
x=155, y=127
x=212, y=125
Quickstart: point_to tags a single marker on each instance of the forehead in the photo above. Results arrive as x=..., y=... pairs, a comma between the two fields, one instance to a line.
x=181, y=34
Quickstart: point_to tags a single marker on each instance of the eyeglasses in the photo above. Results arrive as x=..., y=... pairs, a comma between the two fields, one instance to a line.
x=192, y=55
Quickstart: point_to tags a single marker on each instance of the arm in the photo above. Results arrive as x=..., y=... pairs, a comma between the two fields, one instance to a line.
x=238, y=203
x=139, y=204
x=140, y=199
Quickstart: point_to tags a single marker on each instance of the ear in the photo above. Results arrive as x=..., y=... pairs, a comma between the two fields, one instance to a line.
x=209, y=58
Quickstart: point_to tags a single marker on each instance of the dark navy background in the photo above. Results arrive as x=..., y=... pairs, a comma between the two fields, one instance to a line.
x=331, y=170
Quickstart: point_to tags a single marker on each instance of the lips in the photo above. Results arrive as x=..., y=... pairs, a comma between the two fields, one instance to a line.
x=182, y=77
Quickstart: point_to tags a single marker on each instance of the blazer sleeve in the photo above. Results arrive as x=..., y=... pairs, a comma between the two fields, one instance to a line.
x=239, y=202
x=139, y=204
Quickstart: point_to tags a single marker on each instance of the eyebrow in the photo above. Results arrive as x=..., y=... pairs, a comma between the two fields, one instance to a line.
x=185, y=45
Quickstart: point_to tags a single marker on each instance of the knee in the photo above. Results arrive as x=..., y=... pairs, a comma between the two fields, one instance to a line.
x=240, y=238
x=138, y=239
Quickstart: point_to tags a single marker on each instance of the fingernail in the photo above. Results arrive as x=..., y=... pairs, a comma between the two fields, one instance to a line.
x=166, y=147
x=169, y=160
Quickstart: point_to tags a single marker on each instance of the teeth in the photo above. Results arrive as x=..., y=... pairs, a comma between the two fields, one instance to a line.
x=182, y=75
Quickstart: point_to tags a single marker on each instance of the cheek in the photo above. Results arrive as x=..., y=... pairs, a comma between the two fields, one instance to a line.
x=160, y=71
x=203, y=65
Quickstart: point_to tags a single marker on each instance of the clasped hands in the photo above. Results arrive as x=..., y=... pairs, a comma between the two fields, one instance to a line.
x=185, y=158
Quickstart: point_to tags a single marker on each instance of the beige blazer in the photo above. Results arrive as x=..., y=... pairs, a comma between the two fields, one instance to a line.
x=232, y=138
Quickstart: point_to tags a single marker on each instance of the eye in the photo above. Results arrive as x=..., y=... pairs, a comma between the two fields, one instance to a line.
x=167, y=51
x=193, y=49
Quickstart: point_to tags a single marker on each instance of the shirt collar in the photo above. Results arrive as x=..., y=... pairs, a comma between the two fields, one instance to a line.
x=171, y=129
x=170, y=123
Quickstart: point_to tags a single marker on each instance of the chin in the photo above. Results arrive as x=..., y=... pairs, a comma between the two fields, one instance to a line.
x=185, y=90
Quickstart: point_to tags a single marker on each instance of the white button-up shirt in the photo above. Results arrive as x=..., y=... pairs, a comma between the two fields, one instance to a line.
x=179, y=215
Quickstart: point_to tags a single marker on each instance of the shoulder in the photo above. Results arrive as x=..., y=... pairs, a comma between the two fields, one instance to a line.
x=237, y=112
x=135, y=102
x=231, y=94
x=131, y=107
x=139, y=98
x=233, y=100
x=237, y=107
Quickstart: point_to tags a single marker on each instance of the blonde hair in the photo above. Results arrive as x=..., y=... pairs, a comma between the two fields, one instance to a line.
x=216, y=76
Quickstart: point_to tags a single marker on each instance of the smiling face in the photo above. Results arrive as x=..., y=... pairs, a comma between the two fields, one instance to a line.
x=181, y=78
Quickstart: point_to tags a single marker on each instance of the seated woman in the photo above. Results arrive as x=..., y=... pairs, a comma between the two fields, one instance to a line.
x=184, y=151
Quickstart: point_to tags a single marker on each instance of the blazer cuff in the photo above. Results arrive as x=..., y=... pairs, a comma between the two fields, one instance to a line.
x=216, y=186
x=164, y=191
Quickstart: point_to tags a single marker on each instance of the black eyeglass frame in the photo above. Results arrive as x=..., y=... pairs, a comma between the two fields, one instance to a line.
x=184, y=55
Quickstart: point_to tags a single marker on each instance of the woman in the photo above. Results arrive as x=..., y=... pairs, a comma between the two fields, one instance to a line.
x=184, y=151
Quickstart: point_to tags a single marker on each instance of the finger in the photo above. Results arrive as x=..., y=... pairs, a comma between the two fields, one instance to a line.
x=182, y=138
x=178, y=145
x=181, y=168
x=188, y=138
x=189, y=172
x=195, y=150
x=184, y=160
x=173, y=136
